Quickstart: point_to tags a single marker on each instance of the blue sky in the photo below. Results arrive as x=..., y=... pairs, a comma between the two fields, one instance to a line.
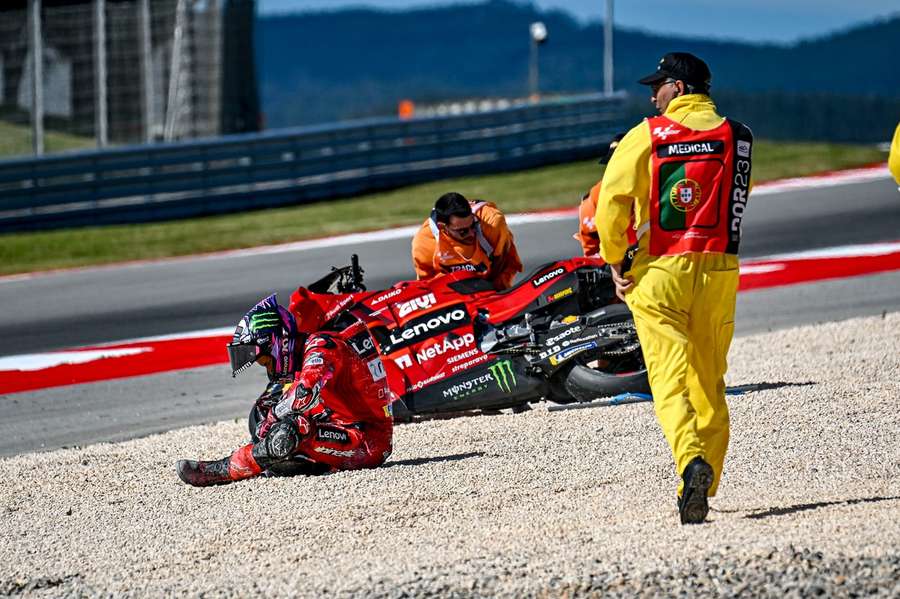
x=753, y=20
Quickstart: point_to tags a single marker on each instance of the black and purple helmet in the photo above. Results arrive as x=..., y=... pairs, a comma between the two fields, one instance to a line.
x=266, y=330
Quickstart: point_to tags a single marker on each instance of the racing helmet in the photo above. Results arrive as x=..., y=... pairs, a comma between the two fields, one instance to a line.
x=267, y=334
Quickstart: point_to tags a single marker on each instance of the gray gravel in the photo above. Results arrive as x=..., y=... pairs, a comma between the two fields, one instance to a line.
x=572, y=503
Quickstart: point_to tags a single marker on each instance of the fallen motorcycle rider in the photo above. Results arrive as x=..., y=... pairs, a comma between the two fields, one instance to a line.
x=324, y=409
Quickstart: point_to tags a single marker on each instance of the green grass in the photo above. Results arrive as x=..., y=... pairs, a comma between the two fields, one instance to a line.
x=541, y=188
x=15, y=141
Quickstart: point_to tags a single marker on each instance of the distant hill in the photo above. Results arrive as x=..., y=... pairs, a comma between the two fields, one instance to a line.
x=327, y=66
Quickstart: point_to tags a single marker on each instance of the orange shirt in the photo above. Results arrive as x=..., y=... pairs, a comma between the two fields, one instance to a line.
x=498, y=262
x=587, y=228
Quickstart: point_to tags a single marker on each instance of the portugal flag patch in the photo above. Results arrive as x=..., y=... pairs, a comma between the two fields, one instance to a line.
x=682, y=198
x=685, y=195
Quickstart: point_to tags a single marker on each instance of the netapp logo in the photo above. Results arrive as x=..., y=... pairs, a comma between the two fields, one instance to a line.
x=441, y=347
x=427, y=326
x=547, y=277
x=691, y=149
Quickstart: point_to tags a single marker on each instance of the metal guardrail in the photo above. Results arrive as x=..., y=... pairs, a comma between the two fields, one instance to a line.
x=242, y=172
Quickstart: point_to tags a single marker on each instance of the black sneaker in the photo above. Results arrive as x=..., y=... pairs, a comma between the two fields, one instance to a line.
x=698, y=478
x=204, y=474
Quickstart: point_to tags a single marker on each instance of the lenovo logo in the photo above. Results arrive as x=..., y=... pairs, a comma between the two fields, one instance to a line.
x=548, y=276
x=429, y=325
x=331, y=435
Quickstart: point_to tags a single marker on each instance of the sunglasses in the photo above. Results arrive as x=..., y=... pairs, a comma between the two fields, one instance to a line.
x=658, y=86
x=461, y=231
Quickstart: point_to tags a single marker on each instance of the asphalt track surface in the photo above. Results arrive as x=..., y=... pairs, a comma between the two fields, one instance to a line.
x=88, y=306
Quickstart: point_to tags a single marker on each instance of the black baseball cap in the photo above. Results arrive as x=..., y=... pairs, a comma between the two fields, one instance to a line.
x=612, y=148
x=681, y=66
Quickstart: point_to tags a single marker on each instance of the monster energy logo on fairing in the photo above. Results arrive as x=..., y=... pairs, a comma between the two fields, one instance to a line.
x=503, y=375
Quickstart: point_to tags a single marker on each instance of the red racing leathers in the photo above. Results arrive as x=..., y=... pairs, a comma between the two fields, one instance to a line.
x=340, y=406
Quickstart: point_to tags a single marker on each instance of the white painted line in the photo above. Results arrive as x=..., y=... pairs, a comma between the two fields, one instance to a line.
x=216, y=332
x=846, y=177
x=844, y=251
x=758, y=269
x=30, y=362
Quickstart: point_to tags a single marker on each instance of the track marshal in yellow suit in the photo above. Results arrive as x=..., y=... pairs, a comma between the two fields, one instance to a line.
x=894, y=156
x=685, y=178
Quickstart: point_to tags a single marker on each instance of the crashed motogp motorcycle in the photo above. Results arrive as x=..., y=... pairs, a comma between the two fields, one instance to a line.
x=454, y=344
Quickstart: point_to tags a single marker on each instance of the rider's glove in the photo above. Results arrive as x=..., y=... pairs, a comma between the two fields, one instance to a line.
x=262, y=429
x=298, y=399
x=302, y=423
x=272, y=395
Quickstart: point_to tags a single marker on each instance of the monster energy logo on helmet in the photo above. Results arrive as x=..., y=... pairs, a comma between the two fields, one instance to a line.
x=264, y=320
x=503, y=375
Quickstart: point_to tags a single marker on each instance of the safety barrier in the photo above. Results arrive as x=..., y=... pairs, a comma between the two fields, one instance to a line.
x=294, y=166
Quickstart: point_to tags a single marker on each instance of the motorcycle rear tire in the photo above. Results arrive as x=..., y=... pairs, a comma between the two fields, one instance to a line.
x=587, y=384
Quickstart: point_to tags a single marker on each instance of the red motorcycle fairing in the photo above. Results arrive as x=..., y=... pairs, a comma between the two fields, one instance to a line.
x=423, y=331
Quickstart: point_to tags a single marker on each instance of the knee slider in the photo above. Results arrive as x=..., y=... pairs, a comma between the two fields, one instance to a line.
x=280, y=443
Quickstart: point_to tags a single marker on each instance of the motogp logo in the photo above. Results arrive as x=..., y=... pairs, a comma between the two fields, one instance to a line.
x=665, y=133
x=685, y=195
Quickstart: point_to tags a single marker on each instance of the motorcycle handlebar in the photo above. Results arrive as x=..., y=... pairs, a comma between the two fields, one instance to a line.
x=356, y=274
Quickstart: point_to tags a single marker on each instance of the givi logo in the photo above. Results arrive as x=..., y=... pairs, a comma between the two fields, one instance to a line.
x=414, y=305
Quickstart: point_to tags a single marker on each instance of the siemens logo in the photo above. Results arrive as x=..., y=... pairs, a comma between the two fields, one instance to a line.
x=426, y=326
x=699, y=148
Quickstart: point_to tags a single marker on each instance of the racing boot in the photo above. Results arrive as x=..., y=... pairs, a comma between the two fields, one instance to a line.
x=238, y=466
x=693, y=505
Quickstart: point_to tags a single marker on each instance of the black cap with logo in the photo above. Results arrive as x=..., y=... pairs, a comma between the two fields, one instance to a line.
x=681, y=66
